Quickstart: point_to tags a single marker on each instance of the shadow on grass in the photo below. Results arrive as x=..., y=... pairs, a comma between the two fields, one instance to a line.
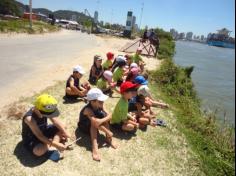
x=118, y=133
x=85, y=140
x=26, y=158
x=72, y=100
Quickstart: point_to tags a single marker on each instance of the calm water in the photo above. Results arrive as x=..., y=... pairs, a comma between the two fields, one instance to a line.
x=213, y=76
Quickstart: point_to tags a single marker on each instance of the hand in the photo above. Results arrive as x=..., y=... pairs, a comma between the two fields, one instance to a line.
x=133, y=119
x=59, y=146
x=66, y=135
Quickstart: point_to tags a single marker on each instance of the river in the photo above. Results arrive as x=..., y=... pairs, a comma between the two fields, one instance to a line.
x=213, y=76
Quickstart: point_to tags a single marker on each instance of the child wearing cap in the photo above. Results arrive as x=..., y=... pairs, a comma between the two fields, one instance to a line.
x=107, y=65
x=149, y=101
x=39, y=137
x=73, y=88
x=138, y=59
x=141, y=110
x=94, y=118
x=96, y=70
x=120, y=117
x=134, y=72
x=119, y=72
x=105, y=83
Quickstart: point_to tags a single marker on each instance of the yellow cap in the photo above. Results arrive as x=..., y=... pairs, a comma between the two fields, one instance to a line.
x=46, y=103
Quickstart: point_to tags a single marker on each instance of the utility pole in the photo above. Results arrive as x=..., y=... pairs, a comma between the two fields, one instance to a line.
x=141, y=16
x=30, y=7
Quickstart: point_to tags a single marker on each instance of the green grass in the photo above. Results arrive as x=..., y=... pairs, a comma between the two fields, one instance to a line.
x=210, y=140
x=22, y=26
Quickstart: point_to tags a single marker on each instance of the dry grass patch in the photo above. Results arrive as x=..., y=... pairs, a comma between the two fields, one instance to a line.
x=156, y=151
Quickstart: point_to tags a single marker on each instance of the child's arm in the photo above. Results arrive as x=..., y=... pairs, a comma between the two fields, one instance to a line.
x=38, y=133
x=56, y=121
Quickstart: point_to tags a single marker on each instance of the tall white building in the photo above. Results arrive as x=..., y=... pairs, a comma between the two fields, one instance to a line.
x=96, y=16
x=128, y=26
x=189, y=36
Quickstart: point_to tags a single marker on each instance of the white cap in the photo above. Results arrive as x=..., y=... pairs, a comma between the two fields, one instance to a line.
x=96, y=94
x=108, y=75
x=134, y=65
x=79, y=69
x=144, y=90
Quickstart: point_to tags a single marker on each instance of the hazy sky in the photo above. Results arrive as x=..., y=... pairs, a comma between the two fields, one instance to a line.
x=198, y=16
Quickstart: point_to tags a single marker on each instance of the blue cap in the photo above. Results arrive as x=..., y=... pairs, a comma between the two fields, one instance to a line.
x=141, y=80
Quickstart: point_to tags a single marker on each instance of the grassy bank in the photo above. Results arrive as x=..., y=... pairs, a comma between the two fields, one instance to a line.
x=211, y=141
x=22, y=26
x=155, y=151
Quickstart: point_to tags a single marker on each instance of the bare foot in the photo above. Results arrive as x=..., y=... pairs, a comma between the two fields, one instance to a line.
x=153, y=123
x=96, y=156
x=111, y=142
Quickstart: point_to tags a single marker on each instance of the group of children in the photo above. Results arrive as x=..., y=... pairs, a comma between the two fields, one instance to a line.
x=121, y=74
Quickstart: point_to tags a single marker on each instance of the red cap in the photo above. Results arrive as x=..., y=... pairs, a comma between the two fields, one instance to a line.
x=127, y=85
x=110, y=55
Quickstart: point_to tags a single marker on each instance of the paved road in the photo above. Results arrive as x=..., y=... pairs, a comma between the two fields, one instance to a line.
x=21, y=55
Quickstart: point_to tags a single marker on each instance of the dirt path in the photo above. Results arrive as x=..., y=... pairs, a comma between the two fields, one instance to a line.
x=29, y=63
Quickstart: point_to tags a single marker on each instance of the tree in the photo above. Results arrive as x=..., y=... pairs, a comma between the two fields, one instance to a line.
x=9, y=7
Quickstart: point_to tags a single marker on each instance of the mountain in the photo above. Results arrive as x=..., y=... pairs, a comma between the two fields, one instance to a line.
x=42, y=11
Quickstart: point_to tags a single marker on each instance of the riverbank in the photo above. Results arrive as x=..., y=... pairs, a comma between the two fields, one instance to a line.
x=212, y=142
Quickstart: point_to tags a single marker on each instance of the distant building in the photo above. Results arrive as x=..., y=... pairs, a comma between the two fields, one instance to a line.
x=202, y=37
x=96, y=16
x=128, y=27
x=189, y=36
x=133, y=21
x=181, y=36
x=174, y=33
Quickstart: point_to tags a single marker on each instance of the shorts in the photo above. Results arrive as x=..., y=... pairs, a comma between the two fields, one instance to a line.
x=49, y=132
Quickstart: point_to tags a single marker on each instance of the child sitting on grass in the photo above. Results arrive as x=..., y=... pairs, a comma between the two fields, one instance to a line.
x=119, y=73
x=73, y=88
x=96, y=70
x=121, y=119
x=142, y=112
x=94, y=118
x=38, y=136
x=107, y=65
x=105, y=83
x=138, y=59
x=148, y=100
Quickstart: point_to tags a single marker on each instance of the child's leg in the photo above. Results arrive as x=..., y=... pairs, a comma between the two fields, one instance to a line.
x=70, y=91
x=106, y=130
x=40, y=149
x=144, y=121
x=94, y=133
x=108, y=136
x=128, y=127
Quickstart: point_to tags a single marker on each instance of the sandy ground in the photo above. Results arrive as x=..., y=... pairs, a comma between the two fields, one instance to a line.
x=29, y=63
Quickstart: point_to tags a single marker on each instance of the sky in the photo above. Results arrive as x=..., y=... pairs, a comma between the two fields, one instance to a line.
x=199, y=16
